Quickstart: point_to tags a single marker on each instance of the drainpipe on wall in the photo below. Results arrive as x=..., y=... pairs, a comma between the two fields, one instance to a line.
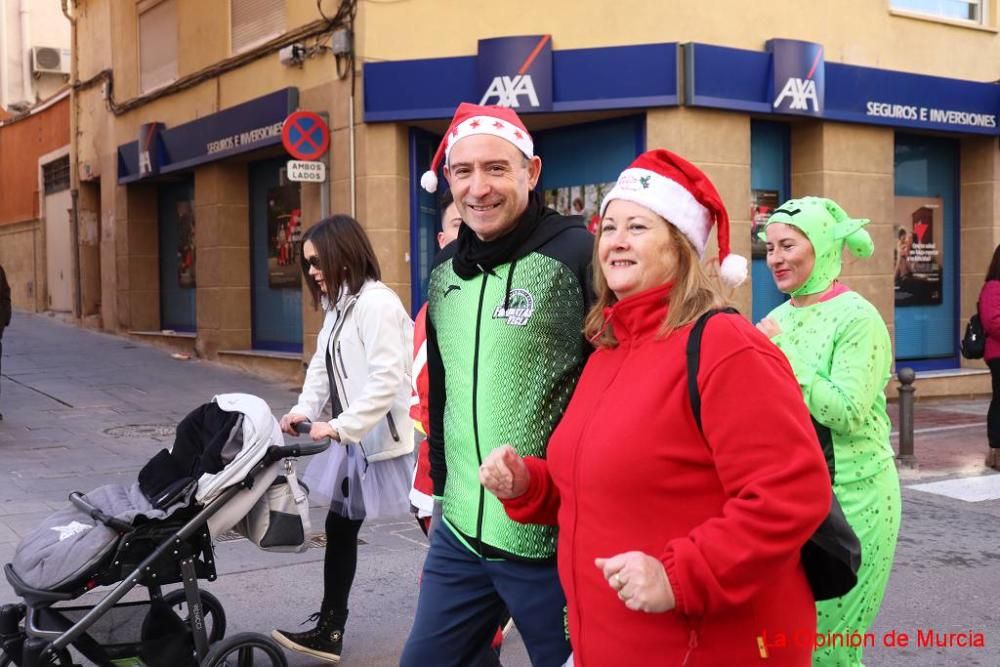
x=350, y=150
x=74, y=156
x=29, y=96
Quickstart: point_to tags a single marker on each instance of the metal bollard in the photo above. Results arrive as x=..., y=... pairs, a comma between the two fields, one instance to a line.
x=906, y=377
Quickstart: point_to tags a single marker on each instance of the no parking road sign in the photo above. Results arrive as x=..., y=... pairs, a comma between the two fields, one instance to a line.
x=305, y=136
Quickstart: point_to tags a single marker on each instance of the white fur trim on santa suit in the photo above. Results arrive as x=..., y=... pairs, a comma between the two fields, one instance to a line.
x=668, y=199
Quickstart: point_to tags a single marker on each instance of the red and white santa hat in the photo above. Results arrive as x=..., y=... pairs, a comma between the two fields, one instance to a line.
x=473, y=119
x=679, y=192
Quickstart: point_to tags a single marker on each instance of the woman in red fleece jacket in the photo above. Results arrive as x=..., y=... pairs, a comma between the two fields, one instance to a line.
x=675, y=547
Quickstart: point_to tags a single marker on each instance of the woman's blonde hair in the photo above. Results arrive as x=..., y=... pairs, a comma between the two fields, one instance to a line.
x=696, y=290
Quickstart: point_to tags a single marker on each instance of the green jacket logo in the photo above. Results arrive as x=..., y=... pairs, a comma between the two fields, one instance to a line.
x=520, y=306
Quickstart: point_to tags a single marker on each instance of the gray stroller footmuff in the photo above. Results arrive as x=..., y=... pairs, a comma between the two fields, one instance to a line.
x=69, y=544
x=216, y=446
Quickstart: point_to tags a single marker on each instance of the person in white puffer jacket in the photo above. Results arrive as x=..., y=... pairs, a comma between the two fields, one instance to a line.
x=362, y=367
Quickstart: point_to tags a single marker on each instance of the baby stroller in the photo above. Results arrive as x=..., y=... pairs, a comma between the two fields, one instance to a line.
x=223, y=467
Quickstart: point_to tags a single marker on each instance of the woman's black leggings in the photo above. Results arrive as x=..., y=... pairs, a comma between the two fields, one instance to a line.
x=993, y=415
x=340, y=563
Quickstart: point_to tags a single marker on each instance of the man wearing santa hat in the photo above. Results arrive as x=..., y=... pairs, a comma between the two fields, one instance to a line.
x=504, y=351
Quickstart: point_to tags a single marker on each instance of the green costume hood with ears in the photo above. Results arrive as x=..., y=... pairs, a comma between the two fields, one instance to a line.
x=829, y=229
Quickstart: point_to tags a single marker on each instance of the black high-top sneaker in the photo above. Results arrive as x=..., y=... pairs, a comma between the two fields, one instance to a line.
x=325, y=641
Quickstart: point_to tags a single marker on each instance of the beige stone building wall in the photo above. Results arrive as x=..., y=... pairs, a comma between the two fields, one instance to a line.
x=855, y=32
x=222, y=261
x=850, y=163
x=979, y=188
x=123, y=218
x=853, y=165
x=22, y=254
x=719, y=143
x=137, y=252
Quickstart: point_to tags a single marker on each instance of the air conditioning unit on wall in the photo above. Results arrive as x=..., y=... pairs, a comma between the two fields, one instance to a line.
x=49, y=60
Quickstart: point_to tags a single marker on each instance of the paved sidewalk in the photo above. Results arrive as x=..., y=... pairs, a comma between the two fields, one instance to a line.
x=949, y=436
x=83, y=409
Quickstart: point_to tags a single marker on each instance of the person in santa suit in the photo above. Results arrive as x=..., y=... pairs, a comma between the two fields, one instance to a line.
x=841, y=353
x=677, y=544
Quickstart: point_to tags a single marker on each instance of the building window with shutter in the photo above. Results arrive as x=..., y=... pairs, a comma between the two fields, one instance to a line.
x=157, y=43
x=253, y=22
x=973, y=11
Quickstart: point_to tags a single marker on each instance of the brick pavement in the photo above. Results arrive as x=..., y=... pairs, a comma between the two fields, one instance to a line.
x=949, y=436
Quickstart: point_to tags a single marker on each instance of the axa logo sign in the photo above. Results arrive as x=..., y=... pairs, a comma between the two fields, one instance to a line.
x=149, y=149
x=798, y=76
x=516, y=72
x=800, y=93
x=506, y=91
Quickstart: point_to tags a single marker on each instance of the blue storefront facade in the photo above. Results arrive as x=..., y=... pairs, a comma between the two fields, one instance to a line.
x=228, y=226
x=907, y=150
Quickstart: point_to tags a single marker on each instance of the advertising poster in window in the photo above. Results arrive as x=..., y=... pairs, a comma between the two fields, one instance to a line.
x=185, y=244
x=919, y=250
x=284, y=237
x=762, y=204
x=582, y=200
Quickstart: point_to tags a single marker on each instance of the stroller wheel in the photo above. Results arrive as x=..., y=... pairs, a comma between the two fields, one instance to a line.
x=211, y=610
x=247, y=649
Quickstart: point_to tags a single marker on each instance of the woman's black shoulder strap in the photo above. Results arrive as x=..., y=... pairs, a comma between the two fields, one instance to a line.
x=694, y=359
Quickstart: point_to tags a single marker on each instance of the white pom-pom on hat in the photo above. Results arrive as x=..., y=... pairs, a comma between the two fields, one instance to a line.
x=429, y=181
x=733, y=270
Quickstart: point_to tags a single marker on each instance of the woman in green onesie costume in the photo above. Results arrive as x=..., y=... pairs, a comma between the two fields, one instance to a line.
x=839, y=349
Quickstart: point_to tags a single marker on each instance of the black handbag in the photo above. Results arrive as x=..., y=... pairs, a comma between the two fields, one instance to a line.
x=974, y=340
x=832, y=556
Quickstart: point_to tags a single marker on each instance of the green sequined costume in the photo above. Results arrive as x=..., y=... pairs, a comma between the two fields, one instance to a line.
x=841, y=354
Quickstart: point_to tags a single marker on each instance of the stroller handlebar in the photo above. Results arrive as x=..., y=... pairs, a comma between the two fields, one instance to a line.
x=81, y=503
x=278, y=452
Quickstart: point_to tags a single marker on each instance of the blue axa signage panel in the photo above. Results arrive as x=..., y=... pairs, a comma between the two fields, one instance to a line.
x=884, y=97
x=797, y=77
x=727, y=78
x=516, y=72
x=618, y=77
x=238, y=129
x=150, y=149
